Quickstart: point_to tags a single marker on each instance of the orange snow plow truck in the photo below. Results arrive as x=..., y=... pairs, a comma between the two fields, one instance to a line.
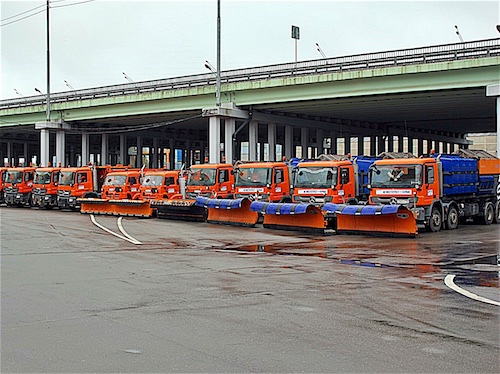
x=209, y=180
x=253, y=181
x=18, y=185
x=326, y=180
x=44, y=192
x=439, y=191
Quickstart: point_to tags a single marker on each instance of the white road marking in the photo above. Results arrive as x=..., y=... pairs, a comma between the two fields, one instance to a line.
x=133, y=241
x=448, y=280
x=120, y=226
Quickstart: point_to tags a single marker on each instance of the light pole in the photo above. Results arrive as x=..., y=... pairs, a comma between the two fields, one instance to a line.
x=127, y=77
x=498, y=28
x=296, y=36
x=18, y=93
x=458, y=33
x=69, y=85
x=48, y=62
x=217, y=91
x=210, y=67
x=318, y=48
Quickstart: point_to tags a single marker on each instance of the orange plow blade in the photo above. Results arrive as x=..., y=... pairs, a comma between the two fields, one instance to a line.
x=133, y=208
x=228, y=211
x=290, y=216
x=391, y=220
x=93, y=206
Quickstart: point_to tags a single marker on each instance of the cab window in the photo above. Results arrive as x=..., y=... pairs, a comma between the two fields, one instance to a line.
x=81, y=178
x=429, y=173
x=279, y=176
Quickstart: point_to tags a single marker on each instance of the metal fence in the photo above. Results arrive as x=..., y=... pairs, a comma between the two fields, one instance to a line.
x=402, y=57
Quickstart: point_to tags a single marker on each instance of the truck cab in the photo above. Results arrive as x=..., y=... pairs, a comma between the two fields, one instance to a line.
x=210, y=180
x=265, y=181
x=320, y=182
x=18, y=185
x=74, y=182
x=121, y=185
x=161, y=184
x=45, y=187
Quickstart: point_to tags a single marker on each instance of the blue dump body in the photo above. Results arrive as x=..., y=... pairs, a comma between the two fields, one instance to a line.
x=461, y=176
x=364, y=163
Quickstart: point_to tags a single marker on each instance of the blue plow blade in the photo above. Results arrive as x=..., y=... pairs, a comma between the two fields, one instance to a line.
x=278, y=208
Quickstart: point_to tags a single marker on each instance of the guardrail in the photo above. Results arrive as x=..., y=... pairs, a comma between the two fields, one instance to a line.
x=402, y=57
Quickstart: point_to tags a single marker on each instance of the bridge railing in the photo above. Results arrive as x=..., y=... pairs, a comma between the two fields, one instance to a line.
x=401, y=57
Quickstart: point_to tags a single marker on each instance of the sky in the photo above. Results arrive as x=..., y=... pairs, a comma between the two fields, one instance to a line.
x=93, y=42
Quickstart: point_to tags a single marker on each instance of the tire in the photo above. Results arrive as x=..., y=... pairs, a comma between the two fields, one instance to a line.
x=488, y=216
x=497, y=212
x=435, y=220
x=452, y=219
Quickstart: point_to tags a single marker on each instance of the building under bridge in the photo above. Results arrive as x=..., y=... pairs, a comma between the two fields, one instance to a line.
x=411, y=100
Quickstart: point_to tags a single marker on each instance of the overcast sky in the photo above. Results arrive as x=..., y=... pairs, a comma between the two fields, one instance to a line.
x=94, y=42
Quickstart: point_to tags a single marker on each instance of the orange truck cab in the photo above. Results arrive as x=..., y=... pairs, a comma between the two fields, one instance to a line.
x=77, y=182
x=161, y=184
x=265, y=181
x=18, y=186
x=319, y=182
x=45, y=187
x=210, y=180
x=2, y=183
x=121, y=185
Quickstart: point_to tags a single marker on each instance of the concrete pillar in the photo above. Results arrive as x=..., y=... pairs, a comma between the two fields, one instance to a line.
x=361, y=145
x=401, y=141
x=303, y=141
x=214, y=139
x=271, y=141
x=60, y=147
x=347, y=144
x=498, y=126
x=171, y=146
x=420, y=147
x=410, y=145
x=289, y=152
x=85, y=149
x=154, y=160
x=202, y=152
x=123, y=149
x=229, y=129
x=138, y=160
x=390, y=143
x=380, y=144
x=253, y=136
x=319, y=142
x=104, y=149
x=373, y=145
x=333, y=136
x=44, y=148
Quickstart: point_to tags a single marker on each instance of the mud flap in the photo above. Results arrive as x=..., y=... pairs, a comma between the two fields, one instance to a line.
x=291, y=216
x=228, y=211
x=179, y=209
x=392, y=220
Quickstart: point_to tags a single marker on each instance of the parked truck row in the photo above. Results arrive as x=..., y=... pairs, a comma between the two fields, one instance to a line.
x=392, y=193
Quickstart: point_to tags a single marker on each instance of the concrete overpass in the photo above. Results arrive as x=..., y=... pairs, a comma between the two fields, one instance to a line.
x=407, y=100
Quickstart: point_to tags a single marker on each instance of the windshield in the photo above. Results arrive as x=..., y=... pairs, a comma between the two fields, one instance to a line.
x=115, y=180
x=42, y=177
x=395, y=176
x=66, y=178
x=14, y=177
x=253, y=177
x=201, y=177
x=315, y=177
x=153, y=180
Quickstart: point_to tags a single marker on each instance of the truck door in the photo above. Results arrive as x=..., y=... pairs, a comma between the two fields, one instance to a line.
x=83, y=182
x=281, y=185
x=430, y=188
x=346, y=186
x=224, y=182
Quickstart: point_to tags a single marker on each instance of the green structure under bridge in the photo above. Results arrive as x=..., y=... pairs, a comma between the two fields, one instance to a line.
x=409, y=100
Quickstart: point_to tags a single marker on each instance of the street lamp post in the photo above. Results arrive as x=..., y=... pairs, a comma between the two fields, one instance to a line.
x=318, y=48
x=458, y=33
x=217, y=93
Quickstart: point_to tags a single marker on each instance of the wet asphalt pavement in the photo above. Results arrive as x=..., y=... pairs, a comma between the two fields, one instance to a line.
x=198, y=297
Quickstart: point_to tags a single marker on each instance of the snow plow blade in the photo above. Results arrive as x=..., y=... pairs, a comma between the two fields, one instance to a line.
x=228, y=211
x=291, y=216
x=391, y=220
x=131, y=208
x=179, y=209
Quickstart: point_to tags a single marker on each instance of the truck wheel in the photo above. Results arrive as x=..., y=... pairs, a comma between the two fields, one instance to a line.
x=435, y=221
x=497, y=212
x=452, y=219
x=488, y=214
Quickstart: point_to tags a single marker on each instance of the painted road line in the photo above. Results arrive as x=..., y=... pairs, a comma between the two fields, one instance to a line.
x=122, y=230
x=448, y=280
x=92, y=218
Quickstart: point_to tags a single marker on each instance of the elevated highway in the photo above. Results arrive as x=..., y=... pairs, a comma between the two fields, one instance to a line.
x=411, y=100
